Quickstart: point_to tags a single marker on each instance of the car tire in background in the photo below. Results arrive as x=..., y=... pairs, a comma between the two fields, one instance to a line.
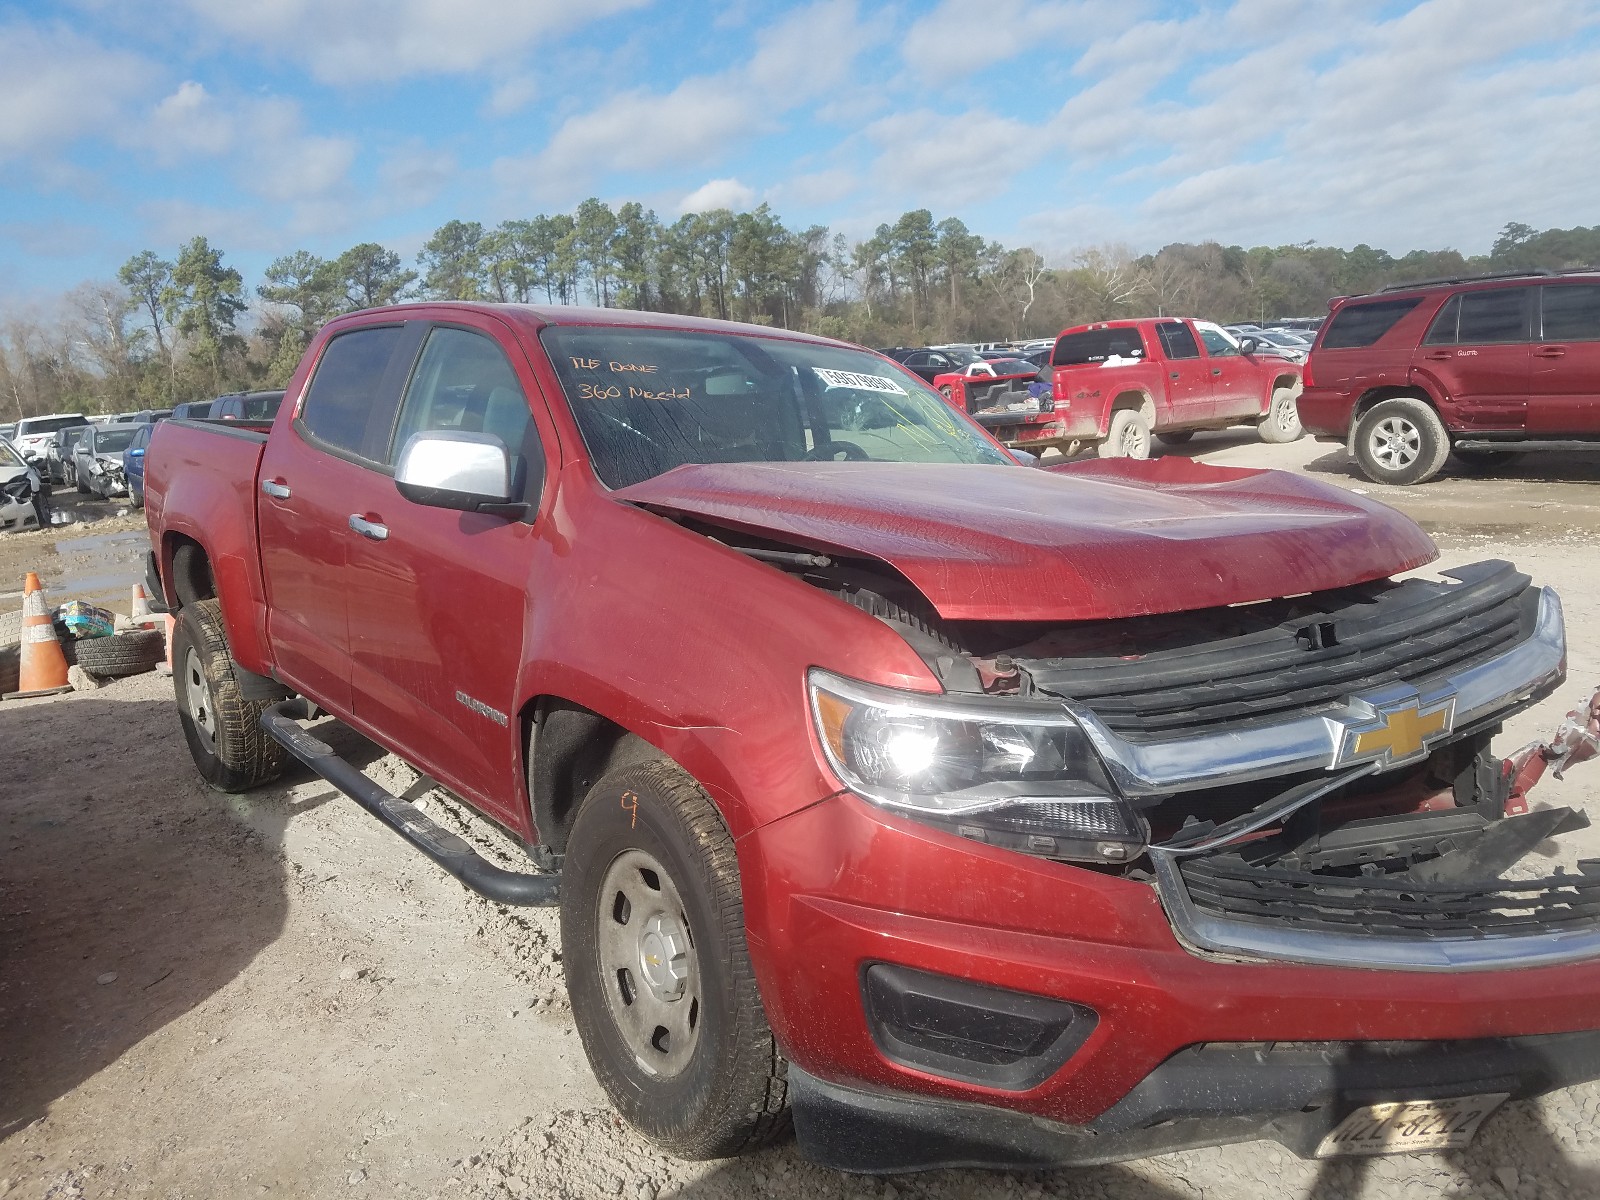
x=1401, y=441
x=223, y=729
x=122, y=653
x=650, y=883
x=135, y=496
x=1176, y=437
x=83, y=488
x=1282, y=422
x=1128, y=436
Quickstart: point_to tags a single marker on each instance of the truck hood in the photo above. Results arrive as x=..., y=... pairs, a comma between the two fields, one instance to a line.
x=1083, y=541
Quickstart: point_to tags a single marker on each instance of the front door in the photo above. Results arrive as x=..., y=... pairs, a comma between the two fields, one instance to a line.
x=1565, y=391
x=307, y=472
x=1478, y=354
x=440, y=599
x=1235, y=384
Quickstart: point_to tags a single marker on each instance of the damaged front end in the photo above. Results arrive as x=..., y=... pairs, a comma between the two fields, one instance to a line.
x=1307, y=780
x=23, y=503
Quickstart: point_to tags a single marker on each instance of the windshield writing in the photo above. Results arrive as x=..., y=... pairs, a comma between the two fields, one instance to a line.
x=650, y=400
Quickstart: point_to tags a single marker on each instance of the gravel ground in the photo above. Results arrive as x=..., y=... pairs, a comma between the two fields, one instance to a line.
x=269, y=995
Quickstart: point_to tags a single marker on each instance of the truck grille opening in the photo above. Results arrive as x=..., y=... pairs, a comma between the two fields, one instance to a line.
x=1390, y=907
x=1157, y=678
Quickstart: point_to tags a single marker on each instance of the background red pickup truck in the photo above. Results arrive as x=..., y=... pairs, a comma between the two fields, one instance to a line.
x=970, y=812
x=1117, y=382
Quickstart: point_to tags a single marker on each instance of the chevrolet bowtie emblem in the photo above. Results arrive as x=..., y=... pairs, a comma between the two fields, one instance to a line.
x=1398, y=733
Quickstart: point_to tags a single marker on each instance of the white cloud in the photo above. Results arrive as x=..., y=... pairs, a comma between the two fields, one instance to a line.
x=353, y=41
x=414, y=176
x=927, y=154
x=963, y=36
x=188, y=122
x=815, y=188
x=718, y=193
x=798, y=59
x=511, y=96
x=56, y=87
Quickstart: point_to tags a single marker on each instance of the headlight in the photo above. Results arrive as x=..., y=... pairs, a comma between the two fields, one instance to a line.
x=1022, y=776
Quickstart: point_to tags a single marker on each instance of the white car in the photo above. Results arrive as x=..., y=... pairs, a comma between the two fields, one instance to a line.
x=23, y=503
x=34, y=434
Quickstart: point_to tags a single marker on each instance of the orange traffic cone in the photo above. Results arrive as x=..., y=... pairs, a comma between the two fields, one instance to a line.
x=141, y=608
x=44, y=667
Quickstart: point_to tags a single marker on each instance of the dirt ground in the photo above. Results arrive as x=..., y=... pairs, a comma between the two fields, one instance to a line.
x=270, y=995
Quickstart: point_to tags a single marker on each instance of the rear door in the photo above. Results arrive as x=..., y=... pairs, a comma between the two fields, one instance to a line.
x=1478, y=354
x=1565, y=389
x=312, y=473
x=439, y=599
x=1187, y=375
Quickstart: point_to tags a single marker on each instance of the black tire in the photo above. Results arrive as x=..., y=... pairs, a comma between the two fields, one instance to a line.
x=1486, y=460
x=1282, y=422
x=1176, y=437
x=726, y=1090
x=122, y=653
x=223, y=729
x=10, y=668
x=83, y=488
x=1401, y=441
x=1127, y=437
x=135, y=496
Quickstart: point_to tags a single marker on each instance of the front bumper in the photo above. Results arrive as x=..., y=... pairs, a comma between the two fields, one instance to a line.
x=17, y=515
x=1205, y=1095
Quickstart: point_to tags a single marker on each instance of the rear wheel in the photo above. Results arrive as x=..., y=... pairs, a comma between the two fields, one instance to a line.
x=663, y=994
x=223, y=729
x=1176, y=437
x=1401, y=441
x=1282, y=422
x=1128, y=437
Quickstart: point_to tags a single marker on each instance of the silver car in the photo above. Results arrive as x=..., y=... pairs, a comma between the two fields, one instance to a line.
x=23, y=503
x=97, y=459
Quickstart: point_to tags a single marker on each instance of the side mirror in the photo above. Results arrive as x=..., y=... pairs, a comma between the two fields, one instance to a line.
x=1026, y=458
x=1248, y=345
x=469, y=472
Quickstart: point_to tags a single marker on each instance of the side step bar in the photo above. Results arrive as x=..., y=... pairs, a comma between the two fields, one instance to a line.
x=281, y=723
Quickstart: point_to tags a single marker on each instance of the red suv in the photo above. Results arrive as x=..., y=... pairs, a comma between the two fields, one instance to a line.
x=1479, y=367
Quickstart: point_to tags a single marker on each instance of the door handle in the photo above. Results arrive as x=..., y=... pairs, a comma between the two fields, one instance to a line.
x=1440, y=355
x=370, y=530
x=1216, y=370
x=274, y=488
x=1550, y=352
x=1174, y=375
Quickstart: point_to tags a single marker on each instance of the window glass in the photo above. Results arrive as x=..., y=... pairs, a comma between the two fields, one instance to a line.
x=1500, y=315
x=648, y=400
x=1218, y=344
x=1093, y=347
x=342, y=405
x=1572, y=313
x=9, y=457
x=463, y=383
x=109, y=441
x=1177, y=340
x=1364, y=323
x=1443, y=330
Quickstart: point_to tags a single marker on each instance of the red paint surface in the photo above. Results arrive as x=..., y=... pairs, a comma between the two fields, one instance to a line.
x=1078, y=542
x=703, y=653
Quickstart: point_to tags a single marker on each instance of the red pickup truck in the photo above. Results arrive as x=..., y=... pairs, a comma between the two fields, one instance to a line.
x=1117, y=382
x=961, y=811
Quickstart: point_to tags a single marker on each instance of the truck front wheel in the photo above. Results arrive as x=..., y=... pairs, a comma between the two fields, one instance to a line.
x=663, y=994
x=1282, y=422
x=223, y=729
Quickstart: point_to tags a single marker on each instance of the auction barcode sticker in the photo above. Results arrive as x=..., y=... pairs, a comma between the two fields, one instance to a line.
x=862, y=383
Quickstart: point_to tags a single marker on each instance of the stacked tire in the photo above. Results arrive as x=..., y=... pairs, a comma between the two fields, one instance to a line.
x=121, y=654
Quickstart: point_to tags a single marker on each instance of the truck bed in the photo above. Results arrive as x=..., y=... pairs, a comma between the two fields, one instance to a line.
x=200, y=483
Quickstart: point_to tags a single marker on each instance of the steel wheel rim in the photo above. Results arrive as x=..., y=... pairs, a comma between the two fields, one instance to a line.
x=1286, y=414
x=197, y=693
x=1395, y=443
x=649, y=968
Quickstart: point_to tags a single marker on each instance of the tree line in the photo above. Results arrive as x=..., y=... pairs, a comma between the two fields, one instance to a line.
x=185, y=328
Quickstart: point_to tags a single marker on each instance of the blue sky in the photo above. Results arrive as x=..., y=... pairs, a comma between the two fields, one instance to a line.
x=275, y=125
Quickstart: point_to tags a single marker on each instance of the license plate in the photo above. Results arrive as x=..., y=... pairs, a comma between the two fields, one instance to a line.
x=1404, y=1126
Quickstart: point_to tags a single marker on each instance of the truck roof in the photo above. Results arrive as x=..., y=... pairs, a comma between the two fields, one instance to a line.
x=534, y=317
